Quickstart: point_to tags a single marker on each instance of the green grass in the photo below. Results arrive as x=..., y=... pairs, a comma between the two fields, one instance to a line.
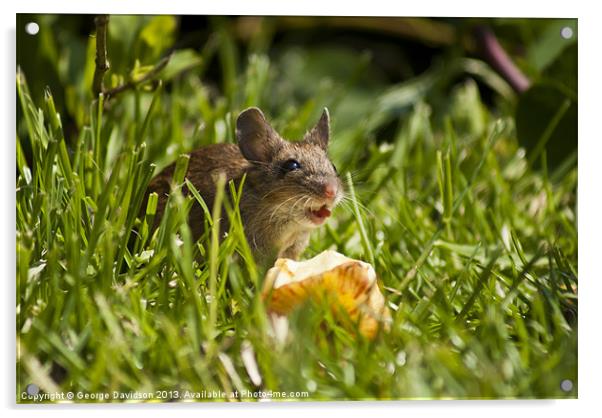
x=476, y=251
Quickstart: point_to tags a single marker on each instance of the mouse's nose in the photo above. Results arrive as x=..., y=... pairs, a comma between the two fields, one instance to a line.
x=330, y=189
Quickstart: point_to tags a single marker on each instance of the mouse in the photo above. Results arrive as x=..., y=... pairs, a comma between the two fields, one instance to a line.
x=290, y=187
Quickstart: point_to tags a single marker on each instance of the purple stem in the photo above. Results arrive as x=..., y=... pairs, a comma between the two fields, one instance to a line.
x=497, y=57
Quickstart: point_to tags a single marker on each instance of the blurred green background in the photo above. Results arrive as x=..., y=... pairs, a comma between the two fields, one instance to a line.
x=461, y=165
x=347, y=64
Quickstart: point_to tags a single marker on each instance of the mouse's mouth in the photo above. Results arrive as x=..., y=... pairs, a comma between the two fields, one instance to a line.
x=318, y=216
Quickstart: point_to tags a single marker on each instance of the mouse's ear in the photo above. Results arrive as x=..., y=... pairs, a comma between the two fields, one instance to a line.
x=320, y=134
x=257, y=140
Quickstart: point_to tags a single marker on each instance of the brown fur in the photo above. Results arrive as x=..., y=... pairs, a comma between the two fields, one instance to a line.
x=274, y=202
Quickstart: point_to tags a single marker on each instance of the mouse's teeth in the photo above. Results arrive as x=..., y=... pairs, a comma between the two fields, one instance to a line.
x=318, y=215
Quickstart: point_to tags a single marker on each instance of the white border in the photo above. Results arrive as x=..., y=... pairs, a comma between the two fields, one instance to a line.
x=590, y=190
x=466, y=8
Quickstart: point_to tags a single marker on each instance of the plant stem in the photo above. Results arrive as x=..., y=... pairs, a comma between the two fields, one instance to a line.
x=102, y=63
x=498, y=58
x=134, y=83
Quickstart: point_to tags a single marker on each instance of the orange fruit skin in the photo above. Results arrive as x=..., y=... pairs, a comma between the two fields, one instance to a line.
x=354, y=298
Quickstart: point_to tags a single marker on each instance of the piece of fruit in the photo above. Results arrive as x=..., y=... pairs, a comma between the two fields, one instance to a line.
x=349, y=285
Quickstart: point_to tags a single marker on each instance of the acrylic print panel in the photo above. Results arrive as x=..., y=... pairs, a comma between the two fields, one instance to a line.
x=241, y=208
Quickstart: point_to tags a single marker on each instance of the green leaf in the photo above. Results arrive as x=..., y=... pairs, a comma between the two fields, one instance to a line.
x=158, y=34
x=564, y=70
x=181, y=60
x=547, y=120
x=546, y=115
x=550, y=43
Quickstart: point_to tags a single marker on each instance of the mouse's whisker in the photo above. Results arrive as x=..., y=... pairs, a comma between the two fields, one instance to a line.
x=279, y=189
x=307, y=200
x=302, y=198
x=277, y=208
x=348, y=202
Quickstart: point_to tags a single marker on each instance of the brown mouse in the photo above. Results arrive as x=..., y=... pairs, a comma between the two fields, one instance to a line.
x=290, y=187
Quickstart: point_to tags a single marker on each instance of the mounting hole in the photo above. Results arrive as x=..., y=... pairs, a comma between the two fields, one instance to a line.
x=566, y=385
x=32, y=28
x=566, y=32
x=32, y=389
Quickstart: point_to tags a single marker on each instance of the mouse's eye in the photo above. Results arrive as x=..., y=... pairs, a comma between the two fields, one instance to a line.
x=291, y=165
